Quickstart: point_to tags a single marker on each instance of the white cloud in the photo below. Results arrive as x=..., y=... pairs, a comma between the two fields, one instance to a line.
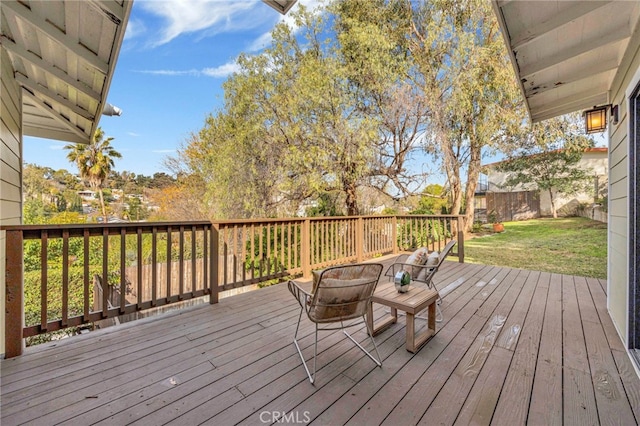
x=135, y=135
x=260, y=43
x=204, y=16
x=217, y=72
x=163, y=151
x=209, y=17
x=56, y=147
x=223, y=70
x=135, y=27
x=171, y=72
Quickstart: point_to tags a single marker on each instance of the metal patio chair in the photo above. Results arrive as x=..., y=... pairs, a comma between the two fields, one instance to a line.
x=425, y=273
x=342, y=293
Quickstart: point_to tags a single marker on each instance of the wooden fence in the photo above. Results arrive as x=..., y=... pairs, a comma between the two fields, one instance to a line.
x=510, y=206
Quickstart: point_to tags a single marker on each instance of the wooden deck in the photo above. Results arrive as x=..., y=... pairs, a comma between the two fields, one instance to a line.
x=515, y=347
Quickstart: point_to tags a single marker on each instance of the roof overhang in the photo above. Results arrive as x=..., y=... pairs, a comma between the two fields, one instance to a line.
x=566, y=53
x=63, y=54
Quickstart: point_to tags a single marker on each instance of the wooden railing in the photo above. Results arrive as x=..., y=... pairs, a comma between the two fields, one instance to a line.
x=65, y=261
x=269, y=250
x=87, y=273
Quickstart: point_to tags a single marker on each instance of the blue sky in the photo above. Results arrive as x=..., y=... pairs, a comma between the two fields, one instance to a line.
x=173, y=61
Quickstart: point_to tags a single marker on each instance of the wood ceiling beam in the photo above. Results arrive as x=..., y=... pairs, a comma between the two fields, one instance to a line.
x=568, y=104
x=558, y=20
x=583, y=47
x=586, y=72
x=109, y=8
x=34, y=87
x=56, y=72
x=51, y=31
x=57, y=117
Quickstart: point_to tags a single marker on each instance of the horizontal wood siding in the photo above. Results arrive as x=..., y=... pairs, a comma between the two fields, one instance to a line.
x=10, y=168
x=10, y=145
x=619, y=187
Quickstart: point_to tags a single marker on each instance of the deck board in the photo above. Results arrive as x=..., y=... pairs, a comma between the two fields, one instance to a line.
x=546, y=395
x=514, y=347
x=513, y=406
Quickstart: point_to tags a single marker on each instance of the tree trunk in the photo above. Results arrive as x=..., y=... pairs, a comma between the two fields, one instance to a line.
x=104, y=210
x=472, y=183
x=554, y=213
x=351, y=199
x=452, y=168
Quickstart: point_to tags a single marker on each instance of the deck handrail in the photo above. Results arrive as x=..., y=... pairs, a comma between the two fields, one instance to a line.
x=179, y=261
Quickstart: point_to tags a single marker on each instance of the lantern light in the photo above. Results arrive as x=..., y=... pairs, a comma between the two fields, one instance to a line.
x=596, y=119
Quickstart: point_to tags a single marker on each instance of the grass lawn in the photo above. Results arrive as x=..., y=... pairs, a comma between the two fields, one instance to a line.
x=572, y=246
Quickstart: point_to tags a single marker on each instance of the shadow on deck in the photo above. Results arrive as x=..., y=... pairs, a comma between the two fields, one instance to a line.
x=515, y=347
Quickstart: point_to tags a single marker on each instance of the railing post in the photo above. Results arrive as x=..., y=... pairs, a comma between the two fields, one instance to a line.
x=394, y=234
x=305, y=248
x=14, y=320
x=213, y=264
x=460, y=240
x=360, y=239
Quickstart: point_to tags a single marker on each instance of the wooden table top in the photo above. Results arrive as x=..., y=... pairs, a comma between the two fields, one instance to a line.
x=416, y=299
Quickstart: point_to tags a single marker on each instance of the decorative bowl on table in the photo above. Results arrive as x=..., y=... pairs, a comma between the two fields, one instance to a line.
x=402, y=279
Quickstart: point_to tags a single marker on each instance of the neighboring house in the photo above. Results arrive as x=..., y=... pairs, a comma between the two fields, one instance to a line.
x=87, y=195
x=572, y=56
x=594, y=160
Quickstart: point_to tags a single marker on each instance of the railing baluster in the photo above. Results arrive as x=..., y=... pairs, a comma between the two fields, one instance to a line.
x=105, y=272
x=243, y=256
x=181, y=265
x=154, y=270
x=169, y=293
x=65, y=277
x=43, y=281
x=282, y=254
x=123, y=264
x=268, y=268
x=234, y=247
x=252, y=255
x=260, y=251
x=139, y=263
x=213, y=263
x=85, y=278
x=193, y=258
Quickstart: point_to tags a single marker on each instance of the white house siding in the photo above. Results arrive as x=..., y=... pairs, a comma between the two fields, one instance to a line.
x=10, y=166
x=618, y=263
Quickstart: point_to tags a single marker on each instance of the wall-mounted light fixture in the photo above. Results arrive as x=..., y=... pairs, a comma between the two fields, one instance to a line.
x=596, y=119
x=111, y=110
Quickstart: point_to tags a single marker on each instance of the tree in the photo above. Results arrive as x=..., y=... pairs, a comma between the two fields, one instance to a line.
x=182, y=201
x=94, y=162
x=549, y=160
x=374, y=49
x=161, y=180
x=434, y=200
x=464, y=72
x=313, y=115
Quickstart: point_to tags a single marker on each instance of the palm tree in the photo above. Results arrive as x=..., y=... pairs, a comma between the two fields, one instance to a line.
x=94, y=162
